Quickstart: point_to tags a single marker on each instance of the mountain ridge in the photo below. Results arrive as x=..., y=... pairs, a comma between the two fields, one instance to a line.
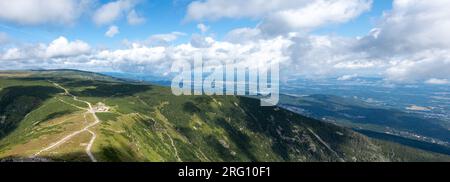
x=145, y=122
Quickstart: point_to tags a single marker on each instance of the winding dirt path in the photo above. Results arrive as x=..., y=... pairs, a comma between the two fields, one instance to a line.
x=90, y=110
x=174, y=147
x=89, y=146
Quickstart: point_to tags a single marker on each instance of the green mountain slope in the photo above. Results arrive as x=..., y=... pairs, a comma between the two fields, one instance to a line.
x=357, y=113
x=374, y=121
x=81, y=116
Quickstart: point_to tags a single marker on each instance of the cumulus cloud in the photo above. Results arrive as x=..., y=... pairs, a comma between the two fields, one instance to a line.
x=308, y=54
x=137, y=54
x=313, y=56
x=60, y=47
x=37, y=12
x=112, y=31
x=112, y=11
x=411, y=26
x=413, y=39
x=419, y=66
x=408, y=44
x=158, y=59
x=34, y=12
x=313, y=15
x=164, y=39
x=12, y=54
x=147, y=59
x=281, y=16
x=435, y=81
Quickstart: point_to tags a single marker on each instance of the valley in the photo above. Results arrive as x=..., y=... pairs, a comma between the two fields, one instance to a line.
x=67, y=115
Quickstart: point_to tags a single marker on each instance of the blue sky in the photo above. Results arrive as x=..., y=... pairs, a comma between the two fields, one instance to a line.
x=164, y=16
x=362, y=24
x=399, y=40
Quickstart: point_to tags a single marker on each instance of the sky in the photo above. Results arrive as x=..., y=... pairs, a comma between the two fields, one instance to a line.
x=398, y=40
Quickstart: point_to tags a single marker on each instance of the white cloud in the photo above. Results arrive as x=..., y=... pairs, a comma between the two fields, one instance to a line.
x=61, y=47
x=329, y=56
x=435, y=81
x=58, y=48
x=112, y=31
x=202, y=27
x=409, y=43
x=137, y=53
x=134, y=19
x=110, y=12
x=412, y=25
x=281, y=16
x=217, y=9
x=313, y=15
x=12, y=54
x=164, y=39
x=419, y=66
x=241, y=35
x=158, y=59
x=298, y=55
x=413, y=39
x=347, y=77
x=149, y=59
x=200, y=41
x=34, y=12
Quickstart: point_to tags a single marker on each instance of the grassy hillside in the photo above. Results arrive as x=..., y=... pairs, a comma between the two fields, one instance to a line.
x=80, y=116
